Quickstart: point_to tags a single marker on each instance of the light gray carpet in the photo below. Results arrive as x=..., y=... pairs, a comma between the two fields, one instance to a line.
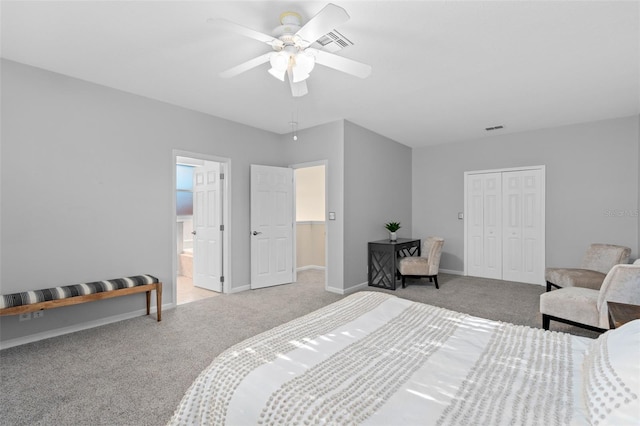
x=135, y=372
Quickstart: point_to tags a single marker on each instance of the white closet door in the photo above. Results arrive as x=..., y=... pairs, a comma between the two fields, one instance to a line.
x=492, y=225
x=523, y=226
x=504, y=224
x=484, y=231
x=475, y=225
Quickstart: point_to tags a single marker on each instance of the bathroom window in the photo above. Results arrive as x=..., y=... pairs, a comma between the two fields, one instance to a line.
x=184, y=190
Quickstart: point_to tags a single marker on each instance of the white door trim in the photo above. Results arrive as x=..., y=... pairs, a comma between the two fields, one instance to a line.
x=542, y=168
x=324, y=163
x=226, y=218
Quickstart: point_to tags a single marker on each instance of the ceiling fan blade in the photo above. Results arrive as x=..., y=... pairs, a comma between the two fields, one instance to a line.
x=297, y=89
x=340, y=63
x=327, y=19
x=246, y=66
x=247, y=32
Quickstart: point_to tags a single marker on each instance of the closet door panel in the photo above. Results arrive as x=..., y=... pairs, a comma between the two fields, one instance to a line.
x=492, y=194
x=523, y=226
x=532, y=227
x=475, y=225
x=512, y=226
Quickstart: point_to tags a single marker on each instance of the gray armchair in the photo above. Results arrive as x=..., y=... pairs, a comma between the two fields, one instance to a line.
x=586, y=307
x=425, y=265
x=597, y=262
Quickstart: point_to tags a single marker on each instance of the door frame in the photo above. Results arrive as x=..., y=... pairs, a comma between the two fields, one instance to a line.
x=225, y=167
x=324, y=163
x=543, y=214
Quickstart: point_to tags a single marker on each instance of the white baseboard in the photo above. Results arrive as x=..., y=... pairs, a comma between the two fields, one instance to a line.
x=461, y=273
x=239, y=289
x=79, y=327
x=344, y=291
x=306, y=268
x=451, y=271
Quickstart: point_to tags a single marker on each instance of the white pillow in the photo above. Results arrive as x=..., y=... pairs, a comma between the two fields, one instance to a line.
x=612, y=377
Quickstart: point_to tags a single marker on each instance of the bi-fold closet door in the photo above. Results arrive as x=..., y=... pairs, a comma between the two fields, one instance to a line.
x=504, y=225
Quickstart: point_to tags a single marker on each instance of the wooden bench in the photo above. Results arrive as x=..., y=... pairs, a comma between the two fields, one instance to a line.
x=38, y=300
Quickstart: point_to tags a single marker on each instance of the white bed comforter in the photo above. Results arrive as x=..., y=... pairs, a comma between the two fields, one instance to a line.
x=373, y=358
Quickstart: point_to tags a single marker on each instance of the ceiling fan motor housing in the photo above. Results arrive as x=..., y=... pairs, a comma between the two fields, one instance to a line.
x=286, y=32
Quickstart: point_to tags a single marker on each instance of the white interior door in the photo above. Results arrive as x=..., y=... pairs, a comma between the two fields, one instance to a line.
x=523, y=226
x=271, y=226
x=207, y=254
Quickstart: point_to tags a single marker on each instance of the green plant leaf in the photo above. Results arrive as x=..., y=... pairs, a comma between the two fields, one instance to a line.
x=392, y=226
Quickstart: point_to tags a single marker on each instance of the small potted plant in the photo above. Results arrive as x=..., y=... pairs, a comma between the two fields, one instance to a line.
x=392, y=227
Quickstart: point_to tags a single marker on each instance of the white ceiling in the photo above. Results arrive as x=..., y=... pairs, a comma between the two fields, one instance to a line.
x=442, y=70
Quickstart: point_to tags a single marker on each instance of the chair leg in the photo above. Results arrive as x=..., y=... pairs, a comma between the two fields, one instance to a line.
x=435, y=280
x=545, y=321
x=404, y=284
x=548, y=286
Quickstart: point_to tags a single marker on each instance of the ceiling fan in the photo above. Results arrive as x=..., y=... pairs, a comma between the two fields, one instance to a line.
x=293, y=53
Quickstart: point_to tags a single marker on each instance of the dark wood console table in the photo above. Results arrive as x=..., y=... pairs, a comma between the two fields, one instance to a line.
x=383, y=258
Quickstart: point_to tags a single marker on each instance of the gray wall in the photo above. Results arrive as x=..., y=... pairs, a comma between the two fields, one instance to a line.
x=326, y=142
x=377, y=190
x=591, y=186
x=86, y=183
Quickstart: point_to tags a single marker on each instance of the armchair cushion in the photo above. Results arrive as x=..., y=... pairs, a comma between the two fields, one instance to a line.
x=575, y=303
x=573, y=277
x=414, y=265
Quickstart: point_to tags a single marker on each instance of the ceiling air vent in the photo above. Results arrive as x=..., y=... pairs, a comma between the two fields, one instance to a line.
x=334, y=41
x=488, y=129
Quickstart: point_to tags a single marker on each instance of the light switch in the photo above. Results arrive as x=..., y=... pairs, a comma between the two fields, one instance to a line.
x=460, y=215
x=332, y=215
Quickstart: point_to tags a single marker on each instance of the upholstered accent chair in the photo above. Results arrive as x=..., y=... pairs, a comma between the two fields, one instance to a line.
x=597, y=262
x=425, y=265
x=586, y=307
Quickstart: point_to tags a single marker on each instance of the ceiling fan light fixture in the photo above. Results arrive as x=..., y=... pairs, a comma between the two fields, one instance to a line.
x=280, y=60
x=302, y=65
x=279, y=74
x=299, y=75
x=306, y=61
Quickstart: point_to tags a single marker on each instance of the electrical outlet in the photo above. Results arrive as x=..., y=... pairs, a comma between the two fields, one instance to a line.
x=38, y=314
x=25, y=317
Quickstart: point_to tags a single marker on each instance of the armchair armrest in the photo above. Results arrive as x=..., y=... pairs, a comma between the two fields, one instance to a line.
x=622, y=284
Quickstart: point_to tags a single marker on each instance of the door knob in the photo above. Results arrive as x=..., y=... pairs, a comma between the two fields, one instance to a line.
x=256, y=233
x=193, y=232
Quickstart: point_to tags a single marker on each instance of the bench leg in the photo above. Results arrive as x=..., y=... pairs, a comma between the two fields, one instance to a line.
x=148, y=302
x=159, y=301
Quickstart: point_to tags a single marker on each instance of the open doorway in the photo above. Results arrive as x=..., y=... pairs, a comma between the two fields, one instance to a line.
x=200, y=237
x=310, y=223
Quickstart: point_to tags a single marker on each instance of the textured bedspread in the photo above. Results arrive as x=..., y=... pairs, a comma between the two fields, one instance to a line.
x=373, y=358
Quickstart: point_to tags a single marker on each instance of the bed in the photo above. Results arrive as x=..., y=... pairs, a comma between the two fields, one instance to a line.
x=373, y=358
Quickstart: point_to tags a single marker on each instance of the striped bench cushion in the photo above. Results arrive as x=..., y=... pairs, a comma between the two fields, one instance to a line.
x=35, y=296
